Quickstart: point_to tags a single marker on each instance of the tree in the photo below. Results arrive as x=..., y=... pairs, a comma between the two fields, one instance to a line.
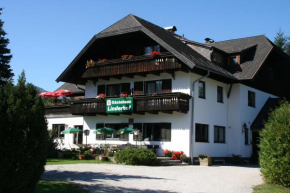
x=274, y=156
x=5, y=56
x=282, y=41
x=23, y=137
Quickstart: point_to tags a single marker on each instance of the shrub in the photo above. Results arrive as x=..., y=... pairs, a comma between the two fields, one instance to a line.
x=135, y=156
x=52, y=143
x=184, y=158
x=88, y=155
x=68, y=154
x=274, y=156
x=23, y=137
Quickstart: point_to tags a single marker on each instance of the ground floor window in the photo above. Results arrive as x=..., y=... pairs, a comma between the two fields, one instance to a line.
x=201, y=132
x=219, y=134
x=156, y=131
x=58, y=128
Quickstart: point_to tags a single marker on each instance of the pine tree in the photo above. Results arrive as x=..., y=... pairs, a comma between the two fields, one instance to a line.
x=23, y=137
x=5, y=56
x=280, y=40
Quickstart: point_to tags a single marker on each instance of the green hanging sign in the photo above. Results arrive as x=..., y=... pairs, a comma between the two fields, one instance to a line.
x=119, y=105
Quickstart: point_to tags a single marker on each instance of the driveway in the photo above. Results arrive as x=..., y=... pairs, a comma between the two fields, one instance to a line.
x=165, y=179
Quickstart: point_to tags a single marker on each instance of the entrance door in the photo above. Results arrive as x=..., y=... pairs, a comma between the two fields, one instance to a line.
x=78, y=139
x=255, y=143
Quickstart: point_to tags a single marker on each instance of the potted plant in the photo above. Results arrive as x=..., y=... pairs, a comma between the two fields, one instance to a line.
x=90, y=63
x=184, y=158
x=204, y=160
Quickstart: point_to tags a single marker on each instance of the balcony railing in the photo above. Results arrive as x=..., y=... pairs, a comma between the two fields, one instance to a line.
x=137, y=65
x=166, y=102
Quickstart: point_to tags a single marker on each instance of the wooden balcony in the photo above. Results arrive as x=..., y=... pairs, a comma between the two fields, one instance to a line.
x=166, y=102
x=140, y=65
x=57, y=110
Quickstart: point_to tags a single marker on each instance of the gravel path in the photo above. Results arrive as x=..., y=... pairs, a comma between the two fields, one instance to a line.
x=165, y=179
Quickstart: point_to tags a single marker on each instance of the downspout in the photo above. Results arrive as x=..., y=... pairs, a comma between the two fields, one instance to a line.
x=191, y=139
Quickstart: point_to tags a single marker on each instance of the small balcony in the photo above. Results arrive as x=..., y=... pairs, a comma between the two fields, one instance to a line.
x=166, y=103
x=139, y=65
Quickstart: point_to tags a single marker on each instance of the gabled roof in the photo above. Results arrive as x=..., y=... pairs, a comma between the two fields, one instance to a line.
x=263, y=115
x=166, y=39
x=73, y=87
x=249, y=68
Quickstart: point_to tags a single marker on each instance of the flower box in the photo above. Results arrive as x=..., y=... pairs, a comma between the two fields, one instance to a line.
x=205, y=161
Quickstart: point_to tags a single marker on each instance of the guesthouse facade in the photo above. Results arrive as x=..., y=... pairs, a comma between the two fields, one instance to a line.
x=200, y=98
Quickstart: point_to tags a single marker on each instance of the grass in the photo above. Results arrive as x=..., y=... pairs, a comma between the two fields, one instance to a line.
x=57, y=187
x=70, y=161
x=270, y=188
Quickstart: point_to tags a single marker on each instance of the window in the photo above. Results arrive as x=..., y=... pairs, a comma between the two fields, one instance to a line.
x=58, y=128
x=116, y=126
x=138, y=88
x=251, y=99
x=156, y=132
x=114, y=90
x=219, y=134
x=201, y=133
x=220, y=94
x=101, y=89
x=216, y=57
x=150, y=49
x=201, y=89
x=158, y=86
x=233, y=60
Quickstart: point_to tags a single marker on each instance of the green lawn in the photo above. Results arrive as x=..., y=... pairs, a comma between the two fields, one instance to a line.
x=57, y=187
x=70, y=161
x=270, y=188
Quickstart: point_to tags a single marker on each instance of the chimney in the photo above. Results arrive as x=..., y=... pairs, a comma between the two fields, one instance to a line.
x=171, y=29
x=208, y=40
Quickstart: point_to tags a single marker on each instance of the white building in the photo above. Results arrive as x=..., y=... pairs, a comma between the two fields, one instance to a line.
x=194, y=97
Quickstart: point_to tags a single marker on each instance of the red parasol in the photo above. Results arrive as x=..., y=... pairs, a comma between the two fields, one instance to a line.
x=62, y=93
x=47, y=94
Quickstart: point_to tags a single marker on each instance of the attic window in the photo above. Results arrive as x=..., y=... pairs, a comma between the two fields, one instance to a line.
x=235, y=60
x=150, y=49
x=216, y=57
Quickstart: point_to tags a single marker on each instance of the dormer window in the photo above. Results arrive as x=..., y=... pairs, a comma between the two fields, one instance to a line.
x=216, y=57
x=234, y=60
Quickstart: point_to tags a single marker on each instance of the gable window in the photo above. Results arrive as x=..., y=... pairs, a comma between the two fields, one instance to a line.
x=219, y=134
x=220, y=94
x=201, y=89
x=251, y=99
x=201, y=132
x=58, y=128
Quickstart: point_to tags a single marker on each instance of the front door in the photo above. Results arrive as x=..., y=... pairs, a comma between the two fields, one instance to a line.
x=255, y=145
x=78, y=138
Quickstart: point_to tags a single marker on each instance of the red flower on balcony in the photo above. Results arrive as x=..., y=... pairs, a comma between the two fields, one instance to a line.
x=127, y=57
x=90, y=63
x=102, y=60
x=123, y=95
x=102, y=95
x=154, y=54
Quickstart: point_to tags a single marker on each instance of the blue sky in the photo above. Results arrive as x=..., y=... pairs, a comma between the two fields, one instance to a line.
x=45, y=36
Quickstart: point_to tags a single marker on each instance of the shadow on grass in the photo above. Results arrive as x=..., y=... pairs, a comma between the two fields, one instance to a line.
x=55, y=175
